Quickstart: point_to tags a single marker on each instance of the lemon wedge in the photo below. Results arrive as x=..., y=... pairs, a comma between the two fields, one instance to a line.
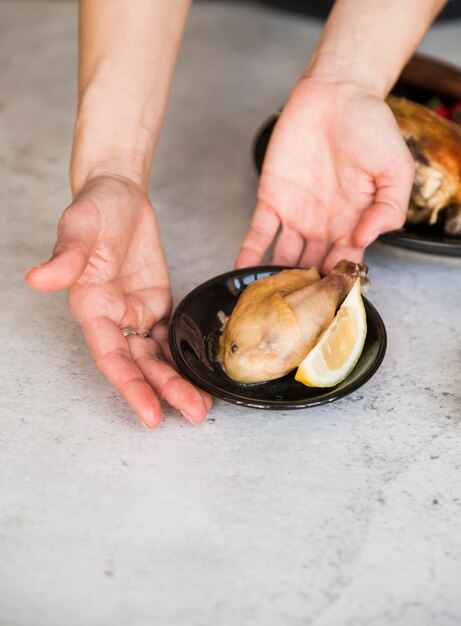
x=337, y=351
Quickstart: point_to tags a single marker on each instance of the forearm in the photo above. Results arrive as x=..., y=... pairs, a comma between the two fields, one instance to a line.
x=127, y=56
x=370, y=41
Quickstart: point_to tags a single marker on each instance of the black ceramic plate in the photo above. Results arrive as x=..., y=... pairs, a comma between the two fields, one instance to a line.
x=194, y=333
x=422, y=238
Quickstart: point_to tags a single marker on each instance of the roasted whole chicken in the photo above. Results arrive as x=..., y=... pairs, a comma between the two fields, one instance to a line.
x=278, y=319
x=435, y=144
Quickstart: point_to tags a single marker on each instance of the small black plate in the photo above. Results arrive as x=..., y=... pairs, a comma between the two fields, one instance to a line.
x=194, y=333
x=421, y=238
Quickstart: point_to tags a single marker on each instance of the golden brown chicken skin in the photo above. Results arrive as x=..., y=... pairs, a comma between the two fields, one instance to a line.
x=435, y=144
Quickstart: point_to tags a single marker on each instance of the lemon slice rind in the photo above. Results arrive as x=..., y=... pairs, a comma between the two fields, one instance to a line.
x=339, y=347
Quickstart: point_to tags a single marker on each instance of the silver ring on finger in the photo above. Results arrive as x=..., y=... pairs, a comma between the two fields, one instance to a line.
x=131, y=331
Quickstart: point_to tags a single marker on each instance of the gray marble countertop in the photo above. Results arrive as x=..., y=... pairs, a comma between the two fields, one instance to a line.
x=346, y=515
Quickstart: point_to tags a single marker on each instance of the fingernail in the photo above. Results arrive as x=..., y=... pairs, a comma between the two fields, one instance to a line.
x=189, y=418
x=145, y=424
x=149, y=422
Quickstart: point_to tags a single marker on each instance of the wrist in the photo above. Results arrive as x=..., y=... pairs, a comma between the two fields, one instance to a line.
x=81, y=174
x=368, y=43
x=333, y=68
x=103, y=146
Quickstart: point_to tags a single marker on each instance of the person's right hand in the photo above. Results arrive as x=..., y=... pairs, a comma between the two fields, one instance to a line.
x=108, y=253
x=337, y=174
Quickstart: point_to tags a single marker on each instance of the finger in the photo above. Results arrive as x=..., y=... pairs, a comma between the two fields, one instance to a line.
x=112, y=356
x=76, y=235
x=388, y=210
x=262, y=231
x=379, y=218
x=288, y=247
x=314, y=254
x=60, y=272
x=339, y=252
x=208, y=399
x=166, y=381
x=160, y=335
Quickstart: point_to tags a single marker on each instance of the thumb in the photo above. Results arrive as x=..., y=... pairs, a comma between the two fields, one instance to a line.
x=388, y=211
x=77, y=231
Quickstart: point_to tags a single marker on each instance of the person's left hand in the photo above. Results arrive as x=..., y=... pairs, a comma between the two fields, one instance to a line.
x=336, y=175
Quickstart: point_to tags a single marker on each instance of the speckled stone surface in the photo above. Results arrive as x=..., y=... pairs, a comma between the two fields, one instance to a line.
x=346, y=515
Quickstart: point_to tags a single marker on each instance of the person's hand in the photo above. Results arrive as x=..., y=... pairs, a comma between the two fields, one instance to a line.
x=109, y=254
x=337, y=173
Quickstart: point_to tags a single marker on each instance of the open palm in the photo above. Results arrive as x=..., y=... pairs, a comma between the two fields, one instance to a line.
x=337, y=173
x=109, y=254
